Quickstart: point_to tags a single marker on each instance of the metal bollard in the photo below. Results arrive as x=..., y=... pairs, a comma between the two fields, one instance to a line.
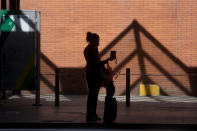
x=3, y=94
x=57, y=87
x=127, y=87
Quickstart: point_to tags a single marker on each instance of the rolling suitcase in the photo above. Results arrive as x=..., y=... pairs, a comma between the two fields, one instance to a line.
x=110, y=110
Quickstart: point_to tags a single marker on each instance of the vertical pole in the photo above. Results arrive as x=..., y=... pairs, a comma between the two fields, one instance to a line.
x=3, y=94
x=2, y=6
x=18, y=4
x=0, y=60
x=56, y=87
x=127, y=87
x=37, y=36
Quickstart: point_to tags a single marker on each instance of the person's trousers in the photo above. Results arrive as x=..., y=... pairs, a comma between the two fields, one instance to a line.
x=93, y=87
x=110, y=89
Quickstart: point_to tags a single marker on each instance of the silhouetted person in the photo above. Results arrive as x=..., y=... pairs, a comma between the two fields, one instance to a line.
x=95, y=71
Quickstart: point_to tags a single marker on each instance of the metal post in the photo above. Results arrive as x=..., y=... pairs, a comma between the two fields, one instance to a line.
x=37, y=15
x=3, y=94
x=56, y=87
x=127, y=87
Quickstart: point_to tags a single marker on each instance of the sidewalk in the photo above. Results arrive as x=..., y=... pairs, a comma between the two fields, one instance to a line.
x=72, y=109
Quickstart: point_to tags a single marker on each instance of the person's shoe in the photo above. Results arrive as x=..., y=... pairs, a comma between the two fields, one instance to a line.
x=97, y=118
x=91, y=118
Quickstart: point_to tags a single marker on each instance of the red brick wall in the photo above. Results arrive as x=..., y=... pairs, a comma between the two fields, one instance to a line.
x=165, y=29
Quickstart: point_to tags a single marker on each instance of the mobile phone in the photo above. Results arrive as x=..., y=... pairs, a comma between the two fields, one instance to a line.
x=113, y=55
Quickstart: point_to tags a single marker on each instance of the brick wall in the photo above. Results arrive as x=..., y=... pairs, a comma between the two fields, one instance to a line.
x=155, y=38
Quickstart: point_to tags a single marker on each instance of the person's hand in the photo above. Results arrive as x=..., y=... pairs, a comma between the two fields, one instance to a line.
x=111, y=58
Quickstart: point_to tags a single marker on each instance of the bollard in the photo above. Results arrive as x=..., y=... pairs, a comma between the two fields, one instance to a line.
x=127, y=87
x=3, y=94
x=57, y=87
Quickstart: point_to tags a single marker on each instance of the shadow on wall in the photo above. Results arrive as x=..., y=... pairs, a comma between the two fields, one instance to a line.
x=193, y=80
x=72, y=80
x=143, y=55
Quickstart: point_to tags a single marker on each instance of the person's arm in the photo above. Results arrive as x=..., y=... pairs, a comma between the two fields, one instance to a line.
x=108, y=59
x=105, y=61
x=96, y=59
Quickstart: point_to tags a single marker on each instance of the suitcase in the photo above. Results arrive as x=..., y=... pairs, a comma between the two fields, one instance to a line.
x=110, y=110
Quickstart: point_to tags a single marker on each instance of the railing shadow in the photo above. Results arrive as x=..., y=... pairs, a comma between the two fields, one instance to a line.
x=69, y=77
x=72, y=80
x=142, y=55
x=48, y=67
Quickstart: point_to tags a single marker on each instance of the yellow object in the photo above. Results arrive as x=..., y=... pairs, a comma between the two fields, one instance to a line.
x=149, y=90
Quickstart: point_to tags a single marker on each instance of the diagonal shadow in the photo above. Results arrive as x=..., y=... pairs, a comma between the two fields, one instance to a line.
x=167, y=74
x=116, y=40
x=143, y=55
x=139, y=53
x=161, y=90
x=162, y=48
x=124, y=62
x=136, y=82
x=51, y=67
x=50, y=64
x=48, y=61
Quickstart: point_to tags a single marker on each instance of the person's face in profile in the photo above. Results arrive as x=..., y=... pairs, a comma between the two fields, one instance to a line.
x=97, y=42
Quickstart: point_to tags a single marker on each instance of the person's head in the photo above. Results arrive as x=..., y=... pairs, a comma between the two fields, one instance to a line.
x=92, y=38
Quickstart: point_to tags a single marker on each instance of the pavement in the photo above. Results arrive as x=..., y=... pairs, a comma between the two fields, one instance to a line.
x=158, y=111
